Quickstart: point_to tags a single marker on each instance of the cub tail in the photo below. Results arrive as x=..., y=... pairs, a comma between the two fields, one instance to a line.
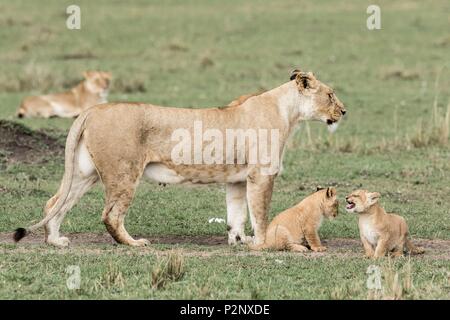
x=412, y=249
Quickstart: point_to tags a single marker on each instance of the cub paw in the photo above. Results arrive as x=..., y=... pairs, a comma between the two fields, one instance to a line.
x=319, y=249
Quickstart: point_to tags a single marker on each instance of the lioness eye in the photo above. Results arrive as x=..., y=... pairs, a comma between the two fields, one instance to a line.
x=330, y=96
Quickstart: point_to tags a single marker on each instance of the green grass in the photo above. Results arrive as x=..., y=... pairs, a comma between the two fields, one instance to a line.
x=42, y=274
x=179, y=53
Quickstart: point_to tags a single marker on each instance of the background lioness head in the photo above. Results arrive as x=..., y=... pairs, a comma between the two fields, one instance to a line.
x=330, y=203
x=97, y=81
x=326, y=106
x=361, y=200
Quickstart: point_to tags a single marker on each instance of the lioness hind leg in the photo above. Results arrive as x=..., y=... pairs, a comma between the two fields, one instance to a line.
x=80, y=185
x=114, y=213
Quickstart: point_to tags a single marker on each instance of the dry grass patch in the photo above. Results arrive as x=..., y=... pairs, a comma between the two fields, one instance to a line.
x=167, y=270
x=111, y=279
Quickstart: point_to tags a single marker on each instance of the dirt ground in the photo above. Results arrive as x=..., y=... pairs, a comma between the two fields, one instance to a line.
x=342, y=247
x=20, y=144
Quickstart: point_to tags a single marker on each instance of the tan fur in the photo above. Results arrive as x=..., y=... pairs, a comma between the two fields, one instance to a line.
x=240, y=100
x=91, y=91
x=293, y=227
x=117, y=143
x=381, y=233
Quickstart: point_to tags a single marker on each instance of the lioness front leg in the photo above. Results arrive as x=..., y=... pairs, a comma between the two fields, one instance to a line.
x=259, y=195
x=236, y=212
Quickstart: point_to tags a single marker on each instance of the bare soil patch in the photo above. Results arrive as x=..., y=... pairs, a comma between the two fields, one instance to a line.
x=341, y=247
x=105, y=238
x=77, y=56
x=20, y=144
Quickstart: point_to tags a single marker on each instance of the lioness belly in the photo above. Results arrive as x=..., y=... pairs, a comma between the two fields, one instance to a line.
x=162, y=173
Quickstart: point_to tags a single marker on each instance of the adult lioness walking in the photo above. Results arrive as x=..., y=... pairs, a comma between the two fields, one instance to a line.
x=118, y=143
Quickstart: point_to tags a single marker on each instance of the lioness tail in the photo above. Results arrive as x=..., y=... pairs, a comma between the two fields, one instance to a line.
x=71, y=144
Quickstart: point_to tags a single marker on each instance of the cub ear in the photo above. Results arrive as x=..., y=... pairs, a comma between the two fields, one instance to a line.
x=306, y=81
x=107, y=75
x=373, y=197
x=318, y=188
x=331, y=192
x=294, y=74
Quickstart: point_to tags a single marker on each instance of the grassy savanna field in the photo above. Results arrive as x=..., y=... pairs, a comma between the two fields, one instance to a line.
x=395, y=83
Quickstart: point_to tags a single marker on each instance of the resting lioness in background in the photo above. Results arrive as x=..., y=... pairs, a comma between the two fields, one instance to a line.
x=380, y=232
x=290, y=229
x=91, y=91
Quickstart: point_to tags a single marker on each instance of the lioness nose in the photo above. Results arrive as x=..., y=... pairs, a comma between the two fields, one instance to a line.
x=344, y=112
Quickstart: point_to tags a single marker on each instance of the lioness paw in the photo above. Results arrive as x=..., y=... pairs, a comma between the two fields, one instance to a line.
x=248, y=240
x=59, y=242
x=234, y=239
x=140, y=243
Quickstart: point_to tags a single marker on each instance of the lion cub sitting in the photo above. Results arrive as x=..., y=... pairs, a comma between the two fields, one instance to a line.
x=380, y=232
x=289, y=229
x=91, y=91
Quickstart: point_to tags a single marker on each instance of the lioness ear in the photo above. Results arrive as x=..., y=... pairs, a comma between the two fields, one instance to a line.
x=306, y=81
x=331, y=192
x=86, y=74
x=318, y=188
x=294, y=74
x=373, y=197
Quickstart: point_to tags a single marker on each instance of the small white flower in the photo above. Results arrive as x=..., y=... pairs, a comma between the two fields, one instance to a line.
x=279, y=261
x=216, y=220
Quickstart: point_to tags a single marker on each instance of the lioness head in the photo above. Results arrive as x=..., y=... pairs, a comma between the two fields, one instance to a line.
x=325, y=105
x=330, y=203
x=361, y=200
x=97, y=81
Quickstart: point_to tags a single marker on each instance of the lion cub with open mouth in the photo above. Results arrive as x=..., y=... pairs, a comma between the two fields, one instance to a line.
x=380, y=232
x=290, y=229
